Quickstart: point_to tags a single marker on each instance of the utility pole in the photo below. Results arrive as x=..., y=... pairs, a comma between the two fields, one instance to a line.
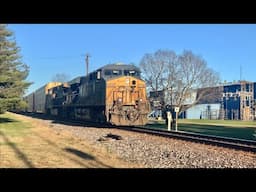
x=172, y=110
x=240, y=73
x=87, y=62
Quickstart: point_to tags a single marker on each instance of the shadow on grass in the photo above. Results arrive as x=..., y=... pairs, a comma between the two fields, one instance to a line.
x=73, y=151
x=54, y=145
x=79, y=153
x=7, y=120
x=18, y=152
x=85, y=156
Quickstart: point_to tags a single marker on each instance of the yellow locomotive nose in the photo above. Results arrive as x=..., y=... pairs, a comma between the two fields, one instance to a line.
x=124, y=101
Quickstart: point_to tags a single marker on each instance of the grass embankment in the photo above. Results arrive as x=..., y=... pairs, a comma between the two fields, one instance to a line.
x=26, y=143
x=226, y=128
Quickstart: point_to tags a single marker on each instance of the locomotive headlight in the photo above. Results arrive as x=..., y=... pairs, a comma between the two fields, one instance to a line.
x=140, y=100
x=119, y=100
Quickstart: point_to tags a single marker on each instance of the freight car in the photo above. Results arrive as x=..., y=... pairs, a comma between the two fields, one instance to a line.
x=113, y=94
x=37, y=100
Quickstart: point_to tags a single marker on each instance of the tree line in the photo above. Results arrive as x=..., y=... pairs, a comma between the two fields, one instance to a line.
x=13, y=72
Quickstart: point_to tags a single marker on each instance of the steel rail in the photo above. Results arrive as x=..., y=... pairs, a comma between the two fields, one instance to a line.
x=233, y=143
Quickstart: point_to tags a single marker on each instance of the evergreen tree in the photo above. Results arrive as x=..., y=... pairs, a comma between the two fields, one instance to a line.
x=13, y=72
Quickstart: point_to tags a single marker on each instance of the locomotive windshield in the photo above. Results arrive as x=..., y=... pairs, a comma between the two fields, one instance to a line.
x=109, y=72
x=131, y=73
x=116, y=70
x=112, y=73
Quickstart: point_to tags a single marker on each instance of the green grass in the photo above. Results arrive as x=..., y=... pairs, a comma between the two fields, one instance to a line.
x=226, y=128
x=221, y=122
x=12, y=127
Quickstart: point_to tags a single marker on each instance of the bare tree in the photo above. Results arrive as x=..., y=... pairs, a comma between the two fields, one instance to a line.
x=156, y=69
x=179, y=76
x=192, y=75
x=61, y=77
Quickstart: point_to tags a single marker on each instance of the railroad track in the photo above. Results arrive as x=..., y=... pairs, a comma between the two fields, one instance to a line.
x=240, y=144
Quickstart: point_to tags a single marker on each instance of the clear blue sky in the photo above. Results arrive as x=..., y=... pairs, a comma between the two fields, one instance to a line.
x=60, y=48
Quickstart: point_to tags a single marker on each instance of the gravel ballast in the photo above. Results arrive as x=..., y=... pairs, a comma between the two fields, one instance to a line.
x=159, y=152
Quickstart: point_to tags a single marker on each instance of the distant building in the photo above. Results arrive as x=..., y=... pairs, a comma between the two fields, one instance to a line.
x=203, y=111
x=238, y=101
x=235, y=101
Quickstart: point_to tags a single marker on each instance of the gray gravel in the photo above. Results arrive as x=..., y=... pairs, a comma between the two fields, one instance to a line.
x=158, y=152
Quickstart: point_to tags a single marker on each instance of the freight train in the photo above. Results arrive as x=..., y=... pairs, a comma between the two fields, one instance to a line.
x=114, y=93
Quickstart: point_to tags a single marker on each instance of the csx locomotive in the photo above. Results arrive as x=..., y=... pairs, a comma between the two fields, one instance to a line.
x=113, y=94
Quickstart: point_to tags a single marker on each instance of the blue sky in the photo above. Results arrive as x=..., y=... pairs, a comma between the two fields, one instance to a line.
x=60, y=48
